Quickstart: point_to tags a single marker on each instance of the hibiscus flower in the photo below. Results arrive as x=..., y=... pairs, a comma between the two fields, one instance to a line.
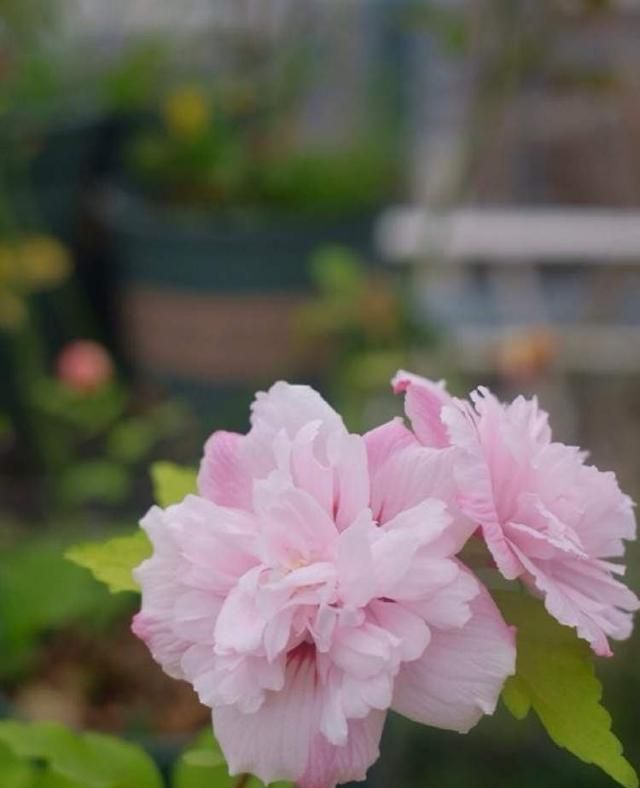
x=312, y=585
x=547, y=517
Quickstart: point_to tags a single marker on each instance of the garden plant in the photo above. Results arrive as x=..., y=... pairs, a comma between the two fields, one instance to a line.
x=307, y=580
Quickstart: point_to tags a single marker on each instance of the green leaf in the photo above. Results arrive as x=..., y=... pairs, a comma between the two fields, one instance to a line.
x=203, y=766
x=171, y=483
x=516, y=697
x=14, y=773
x=122, y=763
x=112, y=562
x=89, y=760
x=28, y=609
x=95, y=480
x=555, y=677
x=130, y=440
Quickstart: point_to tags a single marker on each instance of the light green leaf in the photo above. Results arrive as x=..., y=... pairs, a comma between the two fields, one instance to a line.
x=130, y=440
x=90, y=760
x=113, y=561
x=122, y=763
x=95, y=480
x=555, y=677
x=14, y=773
x=207, y=758
x=516, y=697
x=171, y=483
x=28, y=609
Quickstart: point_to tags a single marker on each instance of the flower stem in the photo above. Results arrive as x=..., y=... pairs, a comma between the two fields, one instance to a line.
x=242, y=781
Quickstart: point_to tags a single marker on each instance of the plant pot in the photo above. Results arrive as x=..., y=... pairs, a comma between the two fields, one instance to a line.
x=212, y=304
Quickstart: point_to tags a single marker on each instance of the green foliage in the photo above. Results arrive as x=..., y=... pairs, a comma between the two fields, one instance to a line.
x=361, y=325
x=449, y=27
x=39, y=592
x=203, y=766
x=555, y=677
x=230, y=149
x=131, y=440
x=133, y=81
x=48, y=755
x=112, y=562
x=88, y=412
x=327, y=182
x=94, y=480
x=93, y=447
x=171, y=482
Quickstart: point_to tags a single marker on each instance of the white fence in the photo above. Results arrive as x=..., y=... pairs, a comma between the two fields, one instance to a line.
x=484, y=273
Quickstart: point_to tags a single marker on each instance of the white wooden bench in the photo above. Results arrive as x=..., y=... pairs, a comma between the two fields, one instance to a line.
x=484, y=273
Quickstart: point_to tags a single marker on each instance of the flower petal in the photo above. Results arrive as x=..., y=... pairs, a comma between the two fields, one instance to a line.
x=384, y=441
x=351, y=480
x=329, y=765
x=413, y=474
x=274, y=743
x=223, y=477
x=460, y=675
x=423, y=403
x=583, y=594
x=287, y=408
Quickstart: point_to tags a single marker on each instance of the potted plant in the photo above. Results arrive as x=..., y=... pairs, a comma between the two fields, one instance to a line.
x=212, y=227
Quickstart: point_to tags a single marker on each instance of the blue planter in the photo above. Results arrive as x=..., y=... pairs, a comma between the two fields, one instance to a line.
x=190, y=250
x=245, y=278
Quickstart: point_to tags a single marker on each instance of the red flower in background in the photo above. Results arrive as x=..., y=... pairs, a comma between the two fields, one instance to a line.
x=84, y=366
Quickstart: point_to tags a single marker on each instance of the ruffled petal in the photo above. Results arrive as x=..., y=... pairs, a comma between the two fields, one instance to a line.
x=410, y=475
x=461, y=673
x=423, y=403
x=476, y=485
x=384, y=441
x=274, y=742
x=199, y=553
x=406, y=560
x=295, y=528
x=223, y=477
x=351, y=491
x=582, y=593
x=329, y=765
x=286, y=408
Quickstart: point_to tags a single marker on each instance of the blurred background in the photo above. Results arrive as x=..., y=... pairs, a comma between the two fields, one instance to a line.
x=199, y=198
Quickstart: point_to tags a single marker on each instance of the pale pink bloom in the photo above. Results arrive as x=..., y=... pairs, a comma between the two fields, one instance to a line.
x=311, y=586
x=84, y=366
x=546, y=516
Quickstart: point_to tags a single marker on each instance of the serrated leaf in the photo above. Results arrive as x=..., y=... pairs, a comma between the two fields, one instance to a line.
x=171, y=482
x=516, y=697
x=112, y=562
x=90, y=760
x=555, y=676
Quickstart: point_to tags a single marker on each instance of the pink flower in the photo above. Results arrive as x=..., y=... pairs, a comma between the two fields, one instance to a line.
x=84, y=366
x=311, y=586
x=546, y=516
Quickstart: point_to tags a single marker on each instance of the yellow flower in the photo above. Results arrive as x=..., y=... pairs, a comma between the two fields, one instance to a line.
x=30, y=264
x=43, y=262
x=186, y=113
